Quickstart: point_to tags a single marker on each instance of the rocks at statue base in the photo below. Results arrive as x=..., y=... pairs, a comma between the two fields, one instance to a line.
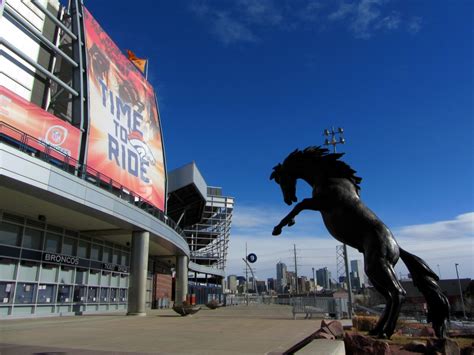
x=335, y=327
x=442, y=347
x=357, y=344
x=415, y=346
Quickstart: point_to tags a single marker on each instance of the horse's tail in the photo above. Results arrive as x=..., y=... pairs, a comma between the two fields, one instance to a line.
x=426, y=281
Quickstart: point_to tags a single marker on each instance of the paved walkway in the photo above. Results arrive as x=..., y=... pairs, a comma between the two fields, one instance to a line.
x=253, y=329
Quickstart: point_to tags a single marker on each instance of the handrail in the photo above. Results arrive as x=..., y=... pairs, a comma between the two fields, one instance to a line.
x=22, y=141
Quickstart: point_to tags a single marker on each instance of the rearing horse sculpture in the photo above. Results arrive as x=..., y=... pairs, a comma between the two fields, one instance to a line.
x=350, y=221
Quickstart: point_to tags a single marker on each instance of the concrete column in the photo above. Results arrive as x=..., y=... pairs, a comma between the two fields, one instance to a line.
x=181, y=279
x=138, y=273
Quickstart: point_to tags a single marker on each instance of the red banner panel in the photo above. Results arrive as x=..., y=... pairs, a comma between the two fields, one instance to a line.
x=41, y=125
x=125, y=141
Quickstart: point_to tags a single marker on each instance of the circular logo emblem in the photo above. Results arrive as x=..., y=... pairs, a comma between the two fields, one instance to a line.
x=56, y=135
x=251, y=258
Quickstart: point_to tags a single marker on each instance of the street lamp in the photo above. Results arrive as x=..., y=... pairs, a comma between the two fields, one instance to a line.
x=460, y=291
x=333, y=141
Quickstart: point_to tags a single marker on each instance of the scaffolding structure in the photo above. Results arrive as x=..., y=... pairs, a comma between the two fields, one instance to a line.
x=208, y=239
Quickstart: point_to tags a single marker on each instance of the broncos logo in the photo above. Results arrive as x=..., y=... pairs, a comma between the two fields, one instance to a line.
x=136, y=140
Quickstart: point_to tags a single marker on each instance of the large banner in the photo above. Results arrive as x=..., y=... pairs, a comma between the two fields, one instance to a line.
x=125, y=141
x=41, y=125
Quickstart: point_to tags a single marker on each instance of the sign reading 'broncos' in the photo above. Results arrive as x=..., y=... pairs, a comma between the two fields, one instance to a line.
x=125, y=140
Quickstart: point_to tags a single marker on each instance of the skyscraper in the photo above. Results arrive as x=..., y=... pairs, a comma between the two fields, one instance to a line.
x=281, y=276
x=357, y=272
x=232, y=283
x=323, y=277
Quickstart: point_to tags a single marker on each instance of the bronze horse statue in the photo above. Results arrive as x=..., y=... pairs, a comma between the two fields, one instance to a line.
x=350, y=221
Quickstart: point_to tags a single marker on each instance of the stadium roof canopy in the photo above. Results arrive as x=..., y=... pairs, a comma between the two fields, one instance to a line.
x=187, y=193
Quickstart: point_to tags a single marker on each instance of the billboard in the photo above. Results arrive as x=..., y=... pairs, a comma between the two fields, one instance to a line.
x=125, y=142
x=38, y=123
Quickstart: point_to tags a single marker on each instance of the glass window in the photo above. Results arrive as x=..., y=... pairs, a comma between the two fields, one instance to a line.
x=81, y=276
x=113, y=295
x=95, y=252
x=69, y=246
x=6, y=292
x=28, y=271
x=116, y=257
x=46, y=293
x=52, y=243
x=123, y=294
x=125, y=257
x=33, y=239
x=7, y=269
x=106, y=253
x=10, y=234
x=93, y=295
x=83, y=249
x=80, y=293
x=66, y=275
x=48, y=273
x=103, y=294
x=64, y=294
x=25, y=293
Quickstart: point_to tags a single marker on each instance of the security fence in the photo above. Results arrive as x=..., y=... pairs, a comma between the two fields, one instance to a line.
x=323, y=307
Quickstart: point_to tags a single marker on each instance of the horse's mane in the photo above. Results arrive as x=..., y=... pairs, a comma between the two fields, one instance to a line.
x=325, y=161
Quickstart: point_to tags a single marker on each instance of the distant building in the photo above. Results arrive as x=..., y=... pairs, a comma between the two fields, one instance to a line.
x=232, y=283
x=357, y=274
x=261, y=287
x=302, y=284
x=281, y=280
x=323, y=278
x=291, y=281
x=271, y=284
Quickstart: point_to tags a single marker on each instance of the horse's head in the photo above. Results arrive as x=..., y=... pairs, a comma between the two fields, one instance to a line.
x=287, y=183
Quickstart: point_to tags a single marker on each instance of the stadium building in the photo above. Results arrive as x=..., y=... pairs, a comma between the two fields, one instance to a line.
x=90, y=220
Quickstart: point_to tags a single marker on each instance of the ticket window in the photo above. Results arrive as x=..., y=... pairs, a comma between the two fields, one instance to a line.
x=93, y=295
x=113, y=295
x=80, y=294
x=25, y=293
x=46, y=293
x=123, y=295
x=104, y=295
x=64, y=294
x=6, y=292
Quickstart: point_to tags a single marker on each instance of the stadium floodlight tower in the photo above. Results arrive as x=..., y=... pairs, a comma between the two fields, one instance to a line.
x=327, y=142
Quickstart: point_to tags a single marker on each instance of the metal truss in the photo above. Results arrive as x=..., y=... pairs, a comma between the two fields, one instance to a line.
x=209, y=239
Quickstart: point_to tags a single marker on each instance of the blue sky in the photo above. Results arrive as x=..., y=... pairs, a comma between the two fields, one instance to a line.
x=243, y=83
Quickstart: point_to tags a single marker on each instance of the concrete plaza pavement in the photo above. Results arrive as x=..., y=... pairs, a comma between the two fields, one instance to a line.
x=253, y=329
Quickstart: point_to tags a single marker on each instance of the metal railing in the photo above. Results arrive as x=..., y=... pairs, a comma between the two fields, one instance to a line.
x=45, y=152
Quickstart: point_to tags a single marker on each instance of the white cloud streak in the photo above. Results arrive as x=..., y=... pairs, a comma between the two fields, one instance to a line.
x=244, y=20
x=440, y=243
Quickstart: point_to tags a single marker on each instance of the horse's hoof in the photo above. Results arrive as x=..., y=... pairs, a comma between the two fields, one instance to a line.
x=374, y=332
x=276, y=231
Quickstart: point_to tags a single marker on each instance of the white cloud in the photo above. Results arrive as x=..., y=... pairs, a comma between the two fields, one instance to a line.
x=229, y=30
x=460, y=227
x=343, y=11
x=390, y=22
x=414, y=24
x=244, y=20
x=440, y=243
x=260, y=11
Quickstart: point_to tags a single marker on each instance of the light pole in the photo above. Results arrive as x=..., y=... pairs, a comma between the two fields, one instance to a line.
x=460, y=291
x=333, y=141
